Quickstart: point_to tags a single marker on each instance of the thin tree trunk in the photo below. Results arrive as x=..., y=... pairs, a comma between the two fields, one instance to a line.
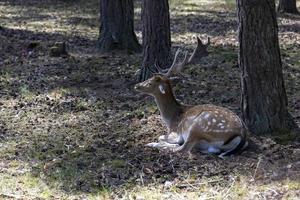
x=264, y=100
x=287, y=6
x=156, y=35
x=117, y=26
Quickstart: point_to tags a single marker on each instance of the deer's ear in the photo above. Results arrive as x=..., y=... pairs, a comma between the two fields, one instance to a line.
x=162, y=89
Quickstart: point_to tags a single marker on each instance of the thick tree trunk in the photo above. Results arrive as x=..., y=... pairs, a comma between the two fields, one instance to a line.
x=156, y=35
x=264, y=100
x=117, y=26
x=287, y=6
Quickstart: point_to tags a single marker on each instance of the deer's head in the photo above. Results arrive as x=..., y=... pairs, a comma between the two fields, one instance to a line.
x=160, y=82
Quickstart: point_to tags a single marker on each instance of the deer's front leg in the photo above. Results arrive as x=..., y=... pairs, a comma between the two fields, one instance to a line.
x=170, y=141
x=162, y=145
x=172, y=138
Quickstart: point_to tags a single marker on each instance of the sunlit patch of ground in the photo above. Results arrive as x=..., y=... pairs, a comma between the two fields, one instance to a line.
x=65, y=17
x=73, y=128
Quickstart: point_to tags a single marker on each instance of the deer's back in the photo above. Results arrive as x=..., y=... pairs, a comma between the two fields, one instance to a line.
x=210, y=123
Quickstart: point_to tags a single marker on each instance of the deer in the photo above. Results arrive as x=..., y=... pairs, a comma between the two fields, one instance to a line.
x=208, y=128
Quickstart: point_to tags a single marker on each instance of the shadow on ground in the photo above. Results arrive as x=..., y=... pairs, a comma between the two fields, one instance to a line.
x=80, y=124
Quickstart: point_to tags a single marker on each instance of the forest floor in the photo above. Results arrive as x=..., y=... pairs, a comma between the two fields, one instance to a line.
x=73, y=127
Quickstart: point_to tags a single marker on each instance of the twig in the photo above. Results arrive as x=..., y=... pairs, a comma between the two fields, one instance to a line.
x=191, y=185
x=141, y=176
x=171, y=162
x=257, y=165
x=11, y=196
x=228, y=190
x=197, y=184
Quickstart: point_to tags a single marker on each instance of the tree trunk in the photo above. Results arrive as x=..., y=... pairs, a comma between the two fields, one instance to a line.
x=287, y=6
x=117, y=26
x=156, y=35
x=264, y=100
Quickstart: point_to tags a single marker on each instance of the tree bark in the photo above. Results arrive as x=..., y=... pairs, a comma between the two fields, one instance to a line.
x=264, y=100
x=117, y=26
x=156, y=35
x=287, y=6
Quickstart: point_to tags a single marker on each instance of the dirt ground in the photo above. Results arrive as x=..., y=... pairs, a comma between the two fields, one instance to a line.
x=72, y=127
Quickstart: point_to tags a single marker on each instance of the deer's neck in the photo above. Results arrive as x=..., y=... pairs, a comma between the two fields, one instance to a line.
x=169, y=108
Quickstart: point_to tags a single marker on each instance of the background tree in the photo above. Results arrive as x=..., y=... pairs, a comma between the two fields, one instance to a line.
x=156, y=35
x=287, y=6
x=117, y=26
x=264, y=100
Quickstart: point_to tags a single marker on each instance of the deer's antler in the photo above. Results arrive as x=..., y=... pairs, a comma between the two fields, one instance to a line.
x=199, y=52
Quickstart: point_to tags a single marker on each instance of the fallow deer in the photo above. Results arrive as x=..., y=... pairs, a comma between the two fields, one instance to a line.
x=208, y=128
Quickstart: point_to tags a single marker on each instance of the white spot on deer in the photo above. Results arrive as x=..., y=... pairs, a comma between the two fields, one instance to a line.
x=207, y=115
x=162, y=89
x=199, y=119
x=214, y=120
